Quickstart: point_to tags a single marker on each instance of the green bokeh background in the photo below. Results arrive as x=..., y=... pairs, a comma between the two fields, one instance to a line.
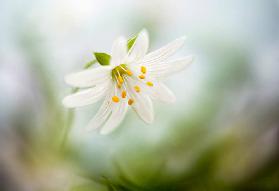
x=221, y=134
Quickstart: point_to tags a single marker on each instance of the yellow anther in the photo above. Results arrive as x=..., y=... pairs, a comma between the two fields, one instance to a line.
x=137, y=88
x=120, y=79
x=141, y=76
x=115, y=99
x=119, y=85
x=143, y=69
x=130, y=101
x=149, y=84
x=124, y=94
x=129, y=72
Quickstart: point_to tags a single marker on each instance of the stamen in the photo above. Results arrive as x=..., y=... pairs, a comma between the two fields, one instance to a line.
x=130, y=101
x=115, y=99
x=141, y=76
x=137, y=88
x=143, y=69
x=117, y=80
x=124, y=94
x=129, y=72
x=149, y=84
x=120, y=79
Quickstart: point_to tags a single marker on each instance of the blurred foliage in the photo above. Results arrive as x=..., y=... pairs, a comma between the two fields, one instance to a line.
x=225, y=139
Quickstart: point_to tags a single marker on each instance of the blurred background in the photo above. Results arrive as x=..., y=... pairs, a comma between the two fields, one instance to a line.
x=221, y=134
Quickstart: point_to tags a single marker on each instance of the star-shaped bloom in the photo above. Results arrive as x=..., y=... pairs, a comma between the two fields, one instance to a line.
x=132, y=79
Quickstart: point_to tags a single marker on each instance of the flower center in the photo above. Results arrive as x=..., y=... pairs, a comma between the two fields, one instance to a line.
x=119, y=72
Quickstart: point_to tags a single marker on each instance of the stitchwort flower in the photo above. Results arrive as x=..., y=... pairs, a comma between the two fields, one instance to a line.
x=129, y=77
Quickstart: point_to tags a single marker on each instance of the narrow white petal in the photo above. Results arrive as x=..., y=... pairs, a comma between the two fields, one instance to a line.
x=101, y=116
x=119, y=111
x=163, y=93
x=89, y=77
x=164, y=52
x=119, y=51
x=144, y=108
x=142, y=103
x=140, y=47
x=164, y=69
x=158, y=91
x=85, y=97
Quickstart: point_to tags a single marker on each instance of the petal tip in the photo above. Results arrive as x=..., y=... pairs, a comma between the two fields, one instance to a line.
x=67, y=79
x=187, y=61
x=104, y=131
x=122, y=39
x=144, y=31
x=66, y=103
x=182, y=38
x=191, y=59
x=149, y=121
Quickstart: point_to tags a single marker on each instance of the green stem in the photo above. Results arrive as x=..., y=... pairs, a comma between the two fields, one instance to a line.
x=71, y=113
x=68, y=126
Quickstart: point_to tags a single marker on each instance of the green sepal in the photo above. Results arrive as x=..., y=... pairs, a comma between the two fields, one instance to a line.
x=102, y=58
x=131, y=42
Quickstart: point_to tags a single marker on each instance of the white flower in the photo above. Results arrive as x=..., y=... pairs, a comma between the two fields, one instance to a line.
x=131, y=79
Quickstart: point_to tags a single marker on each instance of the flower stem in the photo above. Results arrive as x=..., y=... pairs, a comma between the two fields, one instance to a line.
x=71, y=113
x=68, y=125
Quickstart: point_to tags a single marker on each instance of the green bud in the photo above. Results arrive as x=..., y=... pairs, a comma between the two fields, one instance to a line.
x=102, y=58
x=131, y=42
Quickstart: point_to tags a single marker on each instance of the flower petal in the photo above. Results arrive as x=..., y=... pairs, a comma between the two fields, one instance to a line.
x=142, y=103
x=89, y=77
x=140, y=47
x=164, y=69
x=157, y=90
x=85, y=97
x=144, y=108
x=119, y=111
x=163, y=53
x=162, y=93
x=101, y=116
x=119, y=51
